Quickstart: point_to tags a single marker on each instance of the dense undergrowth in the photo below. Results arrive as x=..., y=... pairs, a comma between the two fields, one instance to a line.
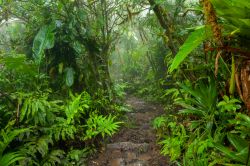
x=209, y=122
x=56, y=98
x=44, y=126
x=65, y=66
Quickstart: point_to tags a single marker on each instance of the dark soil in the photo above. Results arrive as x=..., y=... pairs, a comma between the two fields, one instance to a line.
x=134, y=145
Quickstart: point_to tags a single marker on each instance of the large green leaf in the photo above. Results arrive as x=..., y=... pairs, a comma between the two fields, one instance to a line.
x=69, y=77
x=43, y=40
x=194, y=40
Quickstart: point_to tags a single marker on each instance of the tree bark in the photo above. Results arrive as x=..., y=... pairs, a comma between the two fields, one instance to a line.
x=245, y=83
x=165, y=23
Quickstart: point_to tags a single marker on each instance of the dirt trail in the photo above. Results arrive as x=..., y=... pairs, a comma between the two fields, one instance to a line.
x=136, y=145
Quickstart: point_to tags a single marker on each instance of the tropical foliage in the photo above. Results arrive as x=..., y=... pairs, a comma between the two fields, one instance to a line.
x=208, y=130
x=66, y=67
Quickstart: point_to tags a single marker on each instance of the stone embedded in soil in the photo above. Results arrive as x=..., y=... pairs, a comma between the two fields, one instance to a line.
x=125, y=146
x=138, y=163
x=116, y=153
x=145, y=157
x=117, y=162
x=131, y=156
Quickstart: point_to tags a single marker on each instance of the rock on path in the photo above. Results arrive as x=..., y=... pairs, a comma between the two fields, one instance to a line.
x=135, y=146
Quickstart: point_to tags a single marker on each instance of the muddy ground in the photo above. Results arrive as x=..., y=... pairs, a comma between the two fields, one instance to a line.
x=135, y=144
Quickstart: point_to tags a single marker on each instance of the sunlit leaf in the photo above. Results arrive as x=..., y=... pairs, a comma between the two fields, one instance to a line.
x=193, y=41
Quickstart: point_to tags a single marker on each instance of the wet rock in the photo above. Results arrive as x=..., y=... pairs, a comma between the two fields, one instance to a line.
x=117, y=162
x=125, y=146
x=116, y=153
x=131, y=156
x=145, y=157
x=138, y=163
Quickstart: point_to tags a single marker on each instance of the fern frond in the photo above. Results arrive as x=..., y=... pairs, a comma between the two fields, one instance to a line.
x=53, y=158
x=10, y=158
x=62, y=130
x=8, y=137
x=99, y=124
x=39, y=145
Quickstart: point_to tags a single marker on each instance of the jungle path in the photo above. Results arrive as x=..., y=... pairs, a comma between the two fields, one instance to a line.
x=135, y=144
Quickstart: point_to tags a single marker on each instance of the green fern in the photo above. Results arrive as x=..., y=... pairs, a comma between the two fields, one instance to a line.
x=199, y=147
x=77, y=107
x=10, y=158
x=62, y=130
x=53, y=158
x=38, y=146
x=175, y=93
x=172, y=145
x=159, y=122
x=37, y=109
x=8, y=136
x=76, y=157
x=99, y=124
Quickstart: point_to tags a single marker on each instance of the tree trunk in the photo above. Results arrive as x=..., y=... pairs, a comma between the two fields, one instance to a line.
x=165, y=23
x=245, y=83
